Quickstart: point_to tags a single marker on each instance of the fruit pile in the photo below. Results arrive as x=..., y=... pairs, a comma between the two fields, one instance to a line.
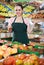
x=5, y=7
x=8, y=14
x=39, y=47
x=29, y=8
x=11, y=7
x=6, y=10
x=2, y=8
x=8, y=48
x=6, y=51
x=38, y=15
x=23, y=59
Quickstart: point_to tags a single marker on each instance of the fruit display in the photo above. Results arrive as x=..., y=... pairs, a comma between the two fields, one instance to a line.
x=35, y=43
x=20, y=54
x=7, y=48
x=38, y=15
x=6, y=51
x=8, y=59
x=23, y=59
x=7, y=14
x=29, y=8
x=11, y=7
x=6, y=10
x=2, y=8
x=19, y=45
x=39, y=47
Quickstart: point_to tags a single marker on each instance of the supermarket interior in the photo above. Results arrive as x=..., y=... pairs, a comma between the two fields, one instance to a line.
x=21, y=32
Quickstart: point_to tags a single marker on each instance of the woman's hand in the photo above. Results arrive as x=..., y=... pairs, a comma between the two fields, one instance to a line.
x=9, y=28
x=11, y=20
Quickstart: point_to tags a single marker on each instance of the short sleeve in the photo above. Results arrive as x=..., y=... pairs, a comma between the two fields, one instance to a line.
x=10, y=21
x=29, y=24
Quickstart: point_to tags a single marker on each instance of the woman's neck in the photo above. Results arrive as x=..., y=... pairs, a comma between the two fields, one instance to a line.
x=19, y=17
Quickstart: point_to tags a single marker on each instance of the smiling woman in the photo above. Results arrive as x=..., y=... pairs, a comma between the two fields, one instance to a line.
x=20, y=25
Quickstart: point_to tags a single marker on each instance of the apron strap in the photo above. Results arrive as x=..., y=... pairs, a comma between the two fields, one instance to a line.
x=15, y=19
x=22, y=19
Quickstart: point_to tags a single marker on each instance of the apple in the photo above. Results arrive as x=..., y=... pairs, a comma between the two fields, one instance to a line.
x=9, y=61
x=22, y=56
x=19, y=62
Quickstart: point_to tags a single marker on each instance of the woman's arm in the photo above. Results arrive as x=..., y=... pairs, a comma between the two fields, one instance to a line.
x=30, y=27
x=29, y=24
x=11, y=20
x=9, y=27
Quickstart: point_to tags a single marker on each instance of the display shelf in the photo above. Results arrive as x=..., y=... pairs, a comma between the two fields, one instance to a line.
x=6, y=35
x=36, y=37
x=38, y=20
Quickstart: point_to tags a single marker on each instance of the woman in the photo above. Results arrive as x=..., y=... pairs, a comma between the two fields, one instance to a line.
x=20, y=26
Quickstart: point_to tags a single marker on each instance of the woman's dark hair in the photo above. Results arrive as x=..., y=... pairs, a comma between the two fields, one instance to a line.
x=19, y=4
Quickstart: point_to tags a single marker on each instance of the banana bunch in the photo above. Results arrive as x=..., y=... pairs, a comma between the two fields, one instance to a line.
x=11, y=7
x=28, y=8
x=2, y=8
x=9, y=14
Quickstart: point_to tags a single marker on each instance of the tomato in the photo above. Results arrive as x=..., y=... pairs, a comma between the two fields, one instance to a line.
x=9, y=61
x=22, y=56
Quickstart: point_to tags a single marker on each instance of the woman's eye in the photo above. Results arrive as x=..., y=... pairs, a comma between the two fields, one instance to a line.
x=18, y=10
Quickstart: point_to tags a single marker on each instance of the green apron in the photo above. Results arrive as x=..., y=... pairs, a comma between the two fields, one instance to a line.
x=20, y=32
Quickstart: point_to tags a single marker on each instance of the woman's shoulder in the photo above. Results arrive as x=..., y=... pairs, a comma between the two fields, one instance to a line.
x=11, y=19
x=28, y=21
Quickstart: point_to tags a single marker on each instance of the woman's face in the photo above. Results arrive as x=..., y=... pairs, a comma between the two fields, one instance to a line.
x=18, y=10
